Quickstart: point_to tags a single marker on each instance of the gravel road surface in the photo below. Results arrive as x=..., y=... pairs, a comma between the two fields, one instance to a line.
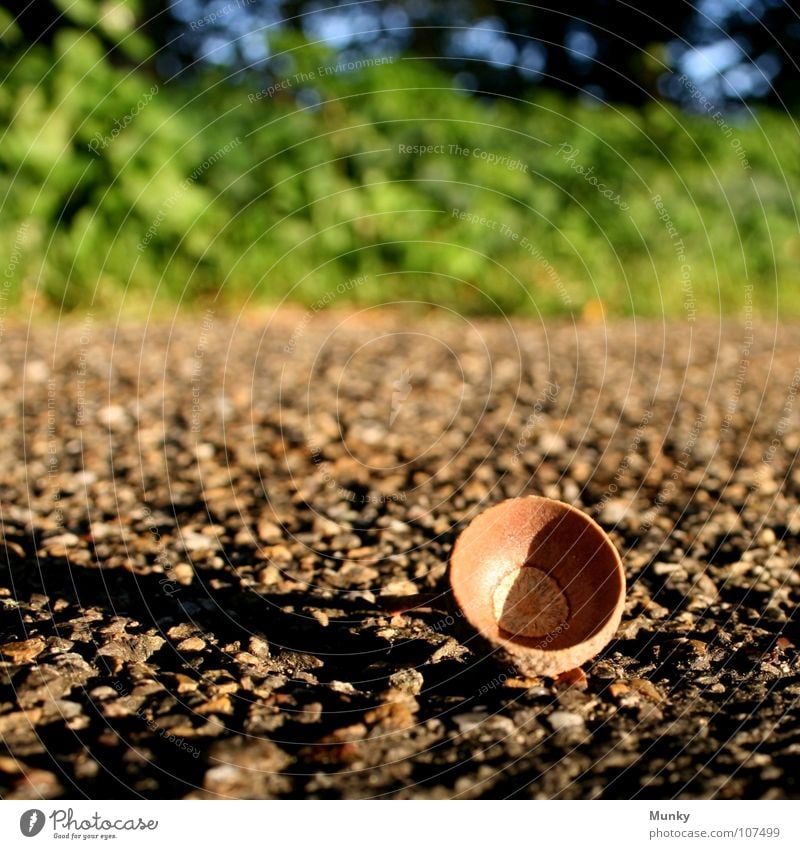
x=198, y=519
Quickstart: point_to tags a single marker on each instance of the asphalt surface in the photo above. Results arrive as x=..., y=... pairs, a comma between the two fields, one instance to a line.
x=198, y=521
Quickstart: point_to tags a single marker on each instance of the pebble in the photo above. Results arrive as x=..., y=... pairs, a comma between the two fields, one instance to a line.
x=36, y=371
x=183, y=573
x=191, y=644
x=615, y=511
x=407, y=681
x=269, y=532
x=561, y=720
x=23, y=652
x=112, y=416
x=258, y=646
x=466, y=722
x=195, y=542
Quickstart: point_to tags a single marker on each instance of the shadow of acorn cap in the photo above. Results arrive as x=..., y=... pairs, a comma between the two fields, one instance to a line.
x=541, y=582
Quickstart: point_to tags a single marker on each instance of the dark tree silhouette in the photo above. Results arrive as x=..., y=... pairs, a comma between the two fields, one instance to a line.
x=610, y=49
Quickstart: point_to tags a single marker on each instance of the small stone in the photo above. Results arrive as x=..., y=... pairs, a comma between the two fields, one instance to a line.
x=246, y=768
x=199, y=542
x=59, y=546
x=325, y=527
x=103, y=693
x=112, y=416
x=400, y=587
x=647, y=689
x=184, y=684
x=219, y=704
x=552, y=443
x=183, y=573
x=58, y=645
x=180, y=632
x=254, y=665
x=395, y=715
x=86, y=767
x=661, y=569
x=191, y=644
x=356, y=573
x=603, y=669
x=14, y=548
x=575, y=678
x=276, y=553
x=656, y=610
x=310, y=713
x=706, y=587
x=618, y=688
x=269, y=532
x=614, y=511
x=8, y=765
x=562, y=720
x=259, y=647
x=451, y=649
x=340, y=747
x=467, y=722
x=35, y=784
x=360, y=595
x=23, y=652
x=407, y=681
x=132, y=649
x=270, y=576
x=767, y=537
x=630, y=630
x=534, y=686
x=36, y=371
x=648, y=712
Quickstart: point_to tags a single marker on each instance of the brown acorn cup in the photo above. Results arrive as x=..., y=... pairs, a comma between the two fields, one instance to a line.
x=539, y=581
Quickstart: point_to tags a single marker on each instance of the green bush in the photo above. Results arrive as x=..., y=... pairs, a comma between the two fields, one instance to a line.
x=202, y=189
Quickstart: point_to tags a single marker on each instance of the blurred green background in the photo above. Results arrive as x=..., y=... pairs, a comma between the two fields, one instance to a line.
x=127, y=180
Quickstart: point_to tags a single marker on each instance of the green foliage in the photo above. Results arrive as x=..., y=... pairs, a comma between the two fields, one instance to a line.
x=119, y=188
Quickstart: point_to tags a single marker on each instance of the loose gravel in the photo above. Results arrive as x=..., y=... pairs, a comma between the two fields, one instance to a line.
x=198, y=520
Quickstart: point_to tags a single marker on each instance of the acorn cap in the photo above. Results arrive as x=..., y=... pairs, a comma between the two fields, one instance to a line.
x=541, y=581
